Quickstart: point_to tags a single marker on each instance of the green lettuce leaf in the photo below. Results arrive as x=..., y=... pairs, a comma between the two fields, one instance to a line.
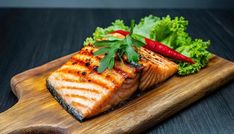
x=172, y=32
x=197, y=50
x=167, y=30
x=144, y=28
x=103, y=32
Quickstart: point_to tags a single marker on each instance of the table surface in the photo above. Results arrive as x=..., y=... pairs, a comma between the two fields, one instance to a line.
x=32, y=37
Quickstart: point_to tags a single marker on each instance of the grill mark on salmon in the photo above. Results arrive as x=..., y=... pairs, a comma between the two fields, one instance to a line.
x=114, y=75
x=99, y=81
x=71, y=80
x=119, y=68
x=88, y=49
x=94, y=61
x=78, y=106
x=69, y=77
x=88, y=55
x=86, y=102
x=80, y=86
x=80, y=96
x=79, y=89
x=123, y=68
x=146, y=78
x=92, y=106
x=89, y=69
x=83, y=109
x=92, y=75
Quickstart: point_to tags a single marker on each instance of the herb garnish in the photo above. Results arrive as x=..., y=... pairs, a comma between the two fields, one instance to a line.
x=111, y=49
x=166, y=30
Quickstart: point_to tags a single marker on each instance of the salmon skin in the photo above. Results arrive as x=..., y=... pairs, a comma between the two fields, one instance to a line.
x=84, y=92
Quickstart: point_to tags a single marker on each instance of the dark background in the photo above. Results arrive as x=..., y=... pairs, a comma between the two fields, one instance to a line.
x=218, y=4
x=35, y=32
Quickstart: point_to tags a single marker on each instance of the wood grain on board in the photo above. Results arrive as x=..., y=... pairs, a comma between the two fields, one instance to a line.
x=38, y=111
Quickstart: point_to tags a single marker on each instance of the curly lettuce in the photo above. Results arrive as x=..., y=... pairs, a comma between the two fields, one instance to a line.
x=197, y=50
x=144, y=28
x=101, y=33
x=172, y=32
x=167, y=30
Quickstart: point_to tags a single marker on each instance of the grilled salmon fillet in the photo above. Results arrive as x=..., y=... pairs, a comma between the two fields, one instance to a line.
x=156, y=68
x=84, y=93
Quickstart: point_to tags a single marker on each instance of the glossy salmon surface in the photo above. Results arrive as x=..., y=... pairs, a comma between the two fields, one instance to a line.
x=156, y=69
x=84, y=92
x=78, y=84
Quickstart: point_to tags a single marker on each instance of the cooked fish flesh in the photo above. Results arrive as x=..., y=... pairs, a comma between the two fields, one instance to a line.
x=156, y=68
x=85, y=93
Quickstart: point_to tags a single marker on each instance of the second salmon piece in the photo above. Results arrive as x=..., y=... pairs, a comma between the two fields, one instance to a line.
x=156, y=68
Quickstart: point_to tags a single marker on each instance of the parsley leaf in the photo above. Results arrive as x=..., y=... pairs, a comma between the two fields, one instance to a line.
x=111, y=49
x=108, y=60
x=129, y=50
x=103, y=50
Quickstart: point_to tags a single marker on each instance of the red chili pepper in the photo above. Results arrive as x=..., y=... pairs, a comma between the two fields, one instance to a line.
x=166, y=51
x=125, y=33
x=160, y=48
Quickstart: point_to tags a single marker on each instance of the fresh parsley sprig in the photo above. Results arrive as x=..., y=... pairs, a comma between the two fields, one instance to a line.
x=111, y=49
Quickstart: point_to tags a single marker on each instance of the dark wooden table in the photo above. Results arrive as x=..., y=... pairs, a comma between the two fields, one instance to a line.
x=31, y=37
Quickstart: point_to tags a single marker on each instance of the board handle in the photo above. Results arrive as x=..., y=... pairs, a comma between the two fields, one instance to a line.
x=30, y=114
x=15, y=120
x=11, y=120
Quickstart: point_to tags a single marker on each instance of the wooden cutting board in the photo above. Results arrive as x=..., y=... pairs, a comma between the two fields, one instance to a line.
x=38, y=112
